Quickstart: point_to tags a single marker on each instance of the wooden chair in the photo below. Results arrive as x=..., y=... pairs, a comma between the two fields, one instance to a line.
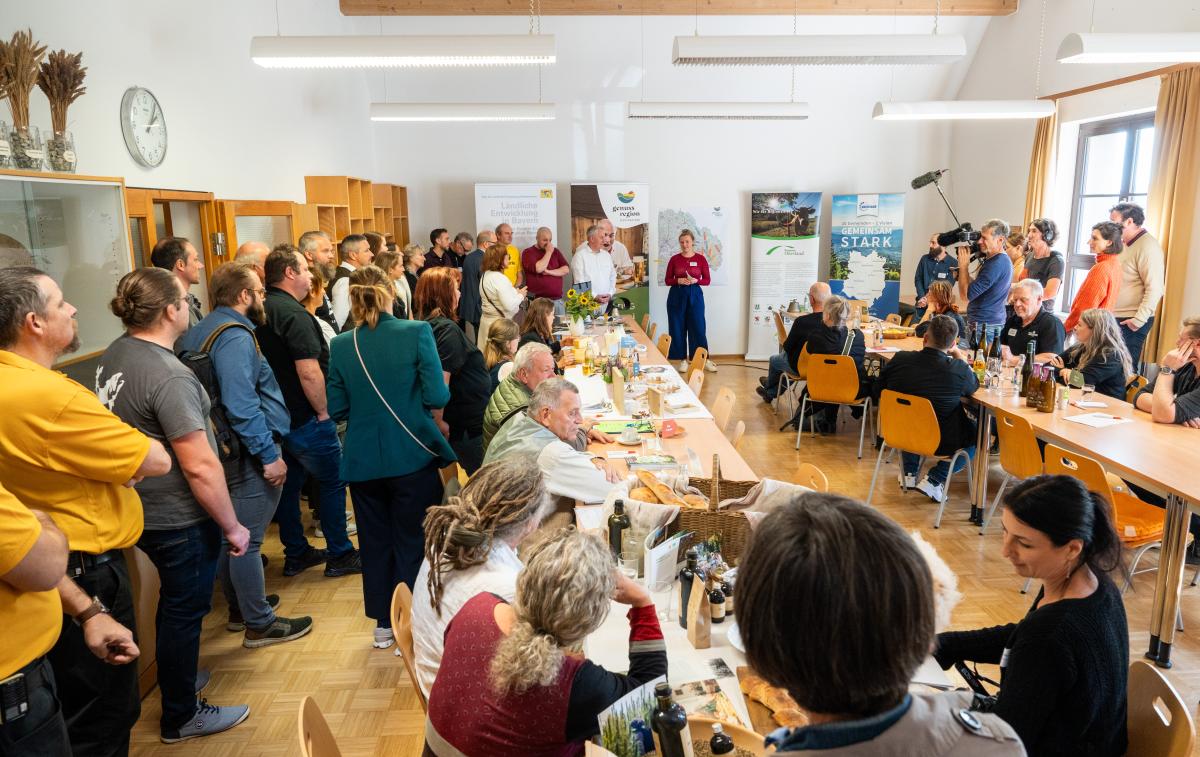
x=1158, y=720
x=833, y=380
x=893, y=318
x=696, y=383
x=699, y=358
x=401, y=615
x=780, y=329
x=316, y=740
x=664, y=344
x=1020, y=456
x=789, y=380
x=813, y=477
x=1135, y=385
x=908, y=424
x=646, y=323
x=739, y=430
x=652, y=331
x=723, y=407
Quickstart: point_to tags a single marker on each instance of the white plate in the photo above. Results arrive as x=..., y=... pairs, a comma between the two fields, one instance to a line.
x=734, y=637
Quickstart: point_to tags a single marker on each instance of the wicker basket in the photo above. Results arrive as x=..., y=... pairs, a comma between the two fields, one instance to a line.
x=732, y=526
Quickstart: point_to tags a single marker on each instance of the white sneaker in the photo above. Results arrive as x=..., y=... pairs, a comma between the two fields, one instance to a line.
x=936, y=492
x=384, y=638
x=351, y=529
x=683, y=366
x=908, y=481
x=710, y=366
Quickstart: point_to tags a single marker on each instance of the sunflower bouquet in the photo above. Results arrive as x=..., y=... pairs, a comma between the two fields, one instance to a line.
x=580, y=305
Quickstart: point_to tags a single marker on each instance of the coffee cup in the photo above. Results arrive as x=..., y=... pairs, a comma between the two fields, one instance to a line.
x=629, y=435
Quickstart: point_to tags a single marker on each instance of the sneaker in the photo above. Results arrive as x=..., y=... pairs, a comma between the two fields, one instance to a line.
x=209, y=719
x=202, y=679
x=762, y=381
x=351, y=529
x=344, y=565
x=908, y=481
x=236, y=623
x=710, y=366
x=294, y=565
x=282, y=630
x=936, y=492
x=384, y=638
x=683, y=366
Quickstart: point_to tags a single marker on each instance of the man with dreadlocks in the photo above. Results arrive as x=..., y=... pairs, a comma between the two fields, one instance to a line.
x=471, y=547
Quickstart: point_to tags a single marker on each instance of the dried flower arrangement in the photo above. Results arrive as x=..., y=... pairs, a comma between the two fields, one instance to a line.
x=61, y=78
x=19, y=60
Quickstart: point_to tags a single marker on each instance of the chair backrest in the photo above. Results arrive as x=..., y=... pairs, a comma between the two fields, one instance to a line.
x=723, y=407
x=802, y=363
x=699, y=358
x=401, y=614
x=813, y=477
x=739, y=430
x=893, y=318
x=316, y=740
x=780, y=329
x=646, y=322
x=1159, y=721
x=1135, y=385
x=1020, y=455
x=1060, y=462
x=448, y=474
x=832, y=378
x=664, y=344
x=696, y=382
x=652, y=331
x=907, y=422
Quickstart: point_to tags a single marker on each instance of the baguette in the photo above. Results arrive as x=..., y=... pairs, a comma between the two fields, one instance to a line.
x=696, y=501
x=643, y=493
x=661, y=490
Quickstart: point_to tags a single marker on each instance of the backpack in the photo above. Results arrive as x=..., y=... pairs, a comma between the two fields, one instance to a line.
x=229, y=445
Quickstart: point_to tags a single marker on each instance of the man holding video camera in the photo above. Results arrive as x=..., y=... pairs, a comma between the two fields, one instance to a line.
x=987, y=293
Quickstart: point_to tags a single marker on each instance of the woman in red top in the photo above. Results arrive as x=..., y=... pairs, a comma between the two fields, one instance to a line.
x=1099, y=289
x=686, y=273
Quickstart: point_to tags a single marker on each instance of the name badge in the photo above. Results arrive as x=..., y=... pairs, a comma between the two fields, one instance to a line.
x=942, y=275
x=692, y=262
x=1012, y=332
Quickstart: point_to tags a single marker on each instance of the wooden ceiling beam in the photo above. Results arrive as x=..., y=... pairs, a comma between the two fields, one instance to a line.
x=678, y=7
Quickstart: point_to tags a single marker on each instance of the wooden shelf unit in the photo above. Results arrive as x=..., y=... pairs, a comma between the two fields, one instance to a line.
x=400, y=215
x=349, y=205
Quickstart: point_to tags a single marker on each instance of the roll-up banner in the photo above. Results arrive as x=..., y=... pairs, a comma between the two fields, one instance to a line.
x=627, y=206
x=866, y=239
x=524, y=207
x=784, y=250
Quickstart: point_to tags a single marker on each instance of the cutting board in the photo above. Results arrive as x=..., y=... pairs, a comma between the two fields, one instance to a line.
x=760, y=717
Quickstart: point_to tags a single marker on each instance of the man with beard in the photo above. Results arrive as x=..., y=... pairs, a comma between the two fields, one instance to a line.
x=63, y=453
x=620, y=254
x=258, y=414
x=317, y=248
x=936, y=266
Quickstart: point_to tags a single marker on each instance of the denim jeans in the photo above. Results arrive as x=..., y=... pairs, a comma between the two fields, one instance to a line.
x=939, y=472
x=41, y=731
x=777, y=365
x=1135, y=339
x=313, y=449
x=186, y=559
x=254, y=501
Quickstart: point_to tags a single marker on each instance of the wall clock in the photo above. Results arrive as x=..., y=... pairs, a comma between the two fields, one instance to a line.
x=144, y=127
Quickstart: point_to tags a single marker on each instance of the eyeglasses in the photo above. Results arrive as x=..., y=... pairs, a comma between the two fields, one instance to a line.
x=259, y=292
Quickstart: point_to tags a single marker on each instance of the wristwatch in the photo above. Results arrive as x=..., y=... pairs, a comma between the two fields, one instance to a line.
x=1165, y=371
x=95, y=608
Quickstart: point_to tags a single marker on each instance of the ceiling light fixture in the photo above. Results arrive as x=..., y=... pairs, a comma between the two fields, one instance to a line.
x=460, y=112
x=1130, y=48
x=720, y=111
x=819, y=50
x=951, y=110
x=396, y=51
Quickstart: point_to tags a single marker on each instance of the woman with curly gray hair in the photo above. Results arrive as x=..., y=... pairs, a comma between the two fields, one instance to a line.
x=508, y=684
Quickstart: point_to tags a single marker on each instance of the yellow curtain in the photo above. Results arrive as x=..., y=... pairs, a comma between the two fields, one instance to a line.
x=1171, y=206
x=1041, y=168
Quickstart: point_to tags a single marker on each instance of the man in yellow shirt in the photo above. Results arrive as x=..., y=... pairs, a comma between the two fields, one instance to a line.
x=33, y=559
x=504, y=236
x=61, y=449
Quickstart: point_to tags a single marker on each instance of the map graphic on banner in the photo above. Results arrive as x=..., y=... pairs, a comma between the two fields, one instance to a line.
x=866, y=242
x=627, y=207
x=525, y=207
x=784, y=249
x=708, y=224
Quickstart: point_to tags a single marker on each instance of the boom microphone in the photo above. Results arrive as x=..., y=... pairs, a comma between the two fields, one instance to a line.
x=926, y=179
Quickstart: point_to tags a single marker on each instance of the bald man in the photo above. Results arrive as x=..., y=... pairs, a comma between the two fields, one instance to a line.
x=620, y=254
x=545, y=268
x=796, y=339
x=254, y=253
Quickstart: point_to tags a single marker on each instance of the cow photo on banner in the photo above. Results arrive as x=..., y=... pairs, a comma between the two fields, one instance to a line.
x=784, y=248
x=626, y=207
x=866, y=238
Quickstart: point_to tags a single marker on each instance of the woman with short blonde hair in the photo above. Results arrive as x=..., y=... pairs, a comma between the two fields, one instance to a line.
x=503, y=663
x=499, y=350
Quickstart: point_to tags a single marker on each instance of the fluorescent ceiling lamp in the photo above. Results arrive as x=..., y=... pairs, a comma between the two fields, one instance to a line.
x=720, y=111
x=1130, y=48
x=950, y=110
x=394, y=51
x=819, y=50
x=415, y=112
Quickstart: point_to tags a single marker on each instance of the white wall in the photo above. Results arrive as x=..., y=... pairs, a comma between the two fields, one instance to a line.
x=840, y=149
x=235, y=129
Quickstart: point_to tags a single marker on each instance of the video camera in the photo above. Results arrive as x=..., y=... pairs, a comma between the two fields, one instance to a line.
x=962, y=236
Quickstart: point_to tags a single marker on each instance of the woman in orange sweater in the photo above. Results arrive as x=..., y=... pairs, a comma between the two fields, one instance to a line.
x=1099, y=289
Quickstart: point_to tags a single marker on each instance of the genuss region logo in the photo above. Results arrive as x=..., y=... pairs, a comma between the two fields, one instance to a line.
x=627, y=196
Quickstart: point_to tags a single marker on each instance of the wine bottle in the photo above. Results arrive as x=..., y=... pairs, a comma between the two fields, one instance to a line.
x=727, y=590
x=618, y=524
x=686, y=577
x=720, y=743
x=716, y=599
x=1028, y=369
x=669, y=724
x=1023, y=370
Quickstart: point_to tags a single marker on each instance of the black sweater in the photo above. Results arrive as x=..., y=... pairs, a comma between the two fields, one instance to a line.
x=1106, y=374
x=1064, y=686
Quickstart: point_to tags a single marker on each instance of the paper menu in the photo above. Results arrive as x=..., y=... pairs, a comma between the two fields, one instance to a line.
x=662, y=562
x=1097, y=420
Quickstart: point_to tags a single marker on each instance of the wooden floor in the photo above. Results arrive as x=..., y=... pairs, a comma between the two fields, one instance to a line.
x=372, y=709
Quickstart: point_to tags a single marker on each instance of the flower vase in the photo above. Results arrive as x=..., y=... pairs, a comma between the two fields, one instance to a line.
x=27, y=148
x=60, y=152
x=576, y=327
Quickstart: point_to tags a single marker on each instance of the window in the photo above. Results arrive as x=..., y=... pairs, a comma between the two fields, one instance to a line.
x=1113, y=165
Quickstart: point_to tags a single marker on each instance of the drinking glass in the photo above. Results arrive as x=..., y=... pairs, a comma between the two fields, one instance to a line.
x=627, y=563
x=1087, y=390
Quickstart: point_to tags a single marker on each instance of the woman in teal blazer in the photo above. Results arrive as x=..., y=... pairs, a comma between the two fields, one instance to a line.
x=384, y=379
